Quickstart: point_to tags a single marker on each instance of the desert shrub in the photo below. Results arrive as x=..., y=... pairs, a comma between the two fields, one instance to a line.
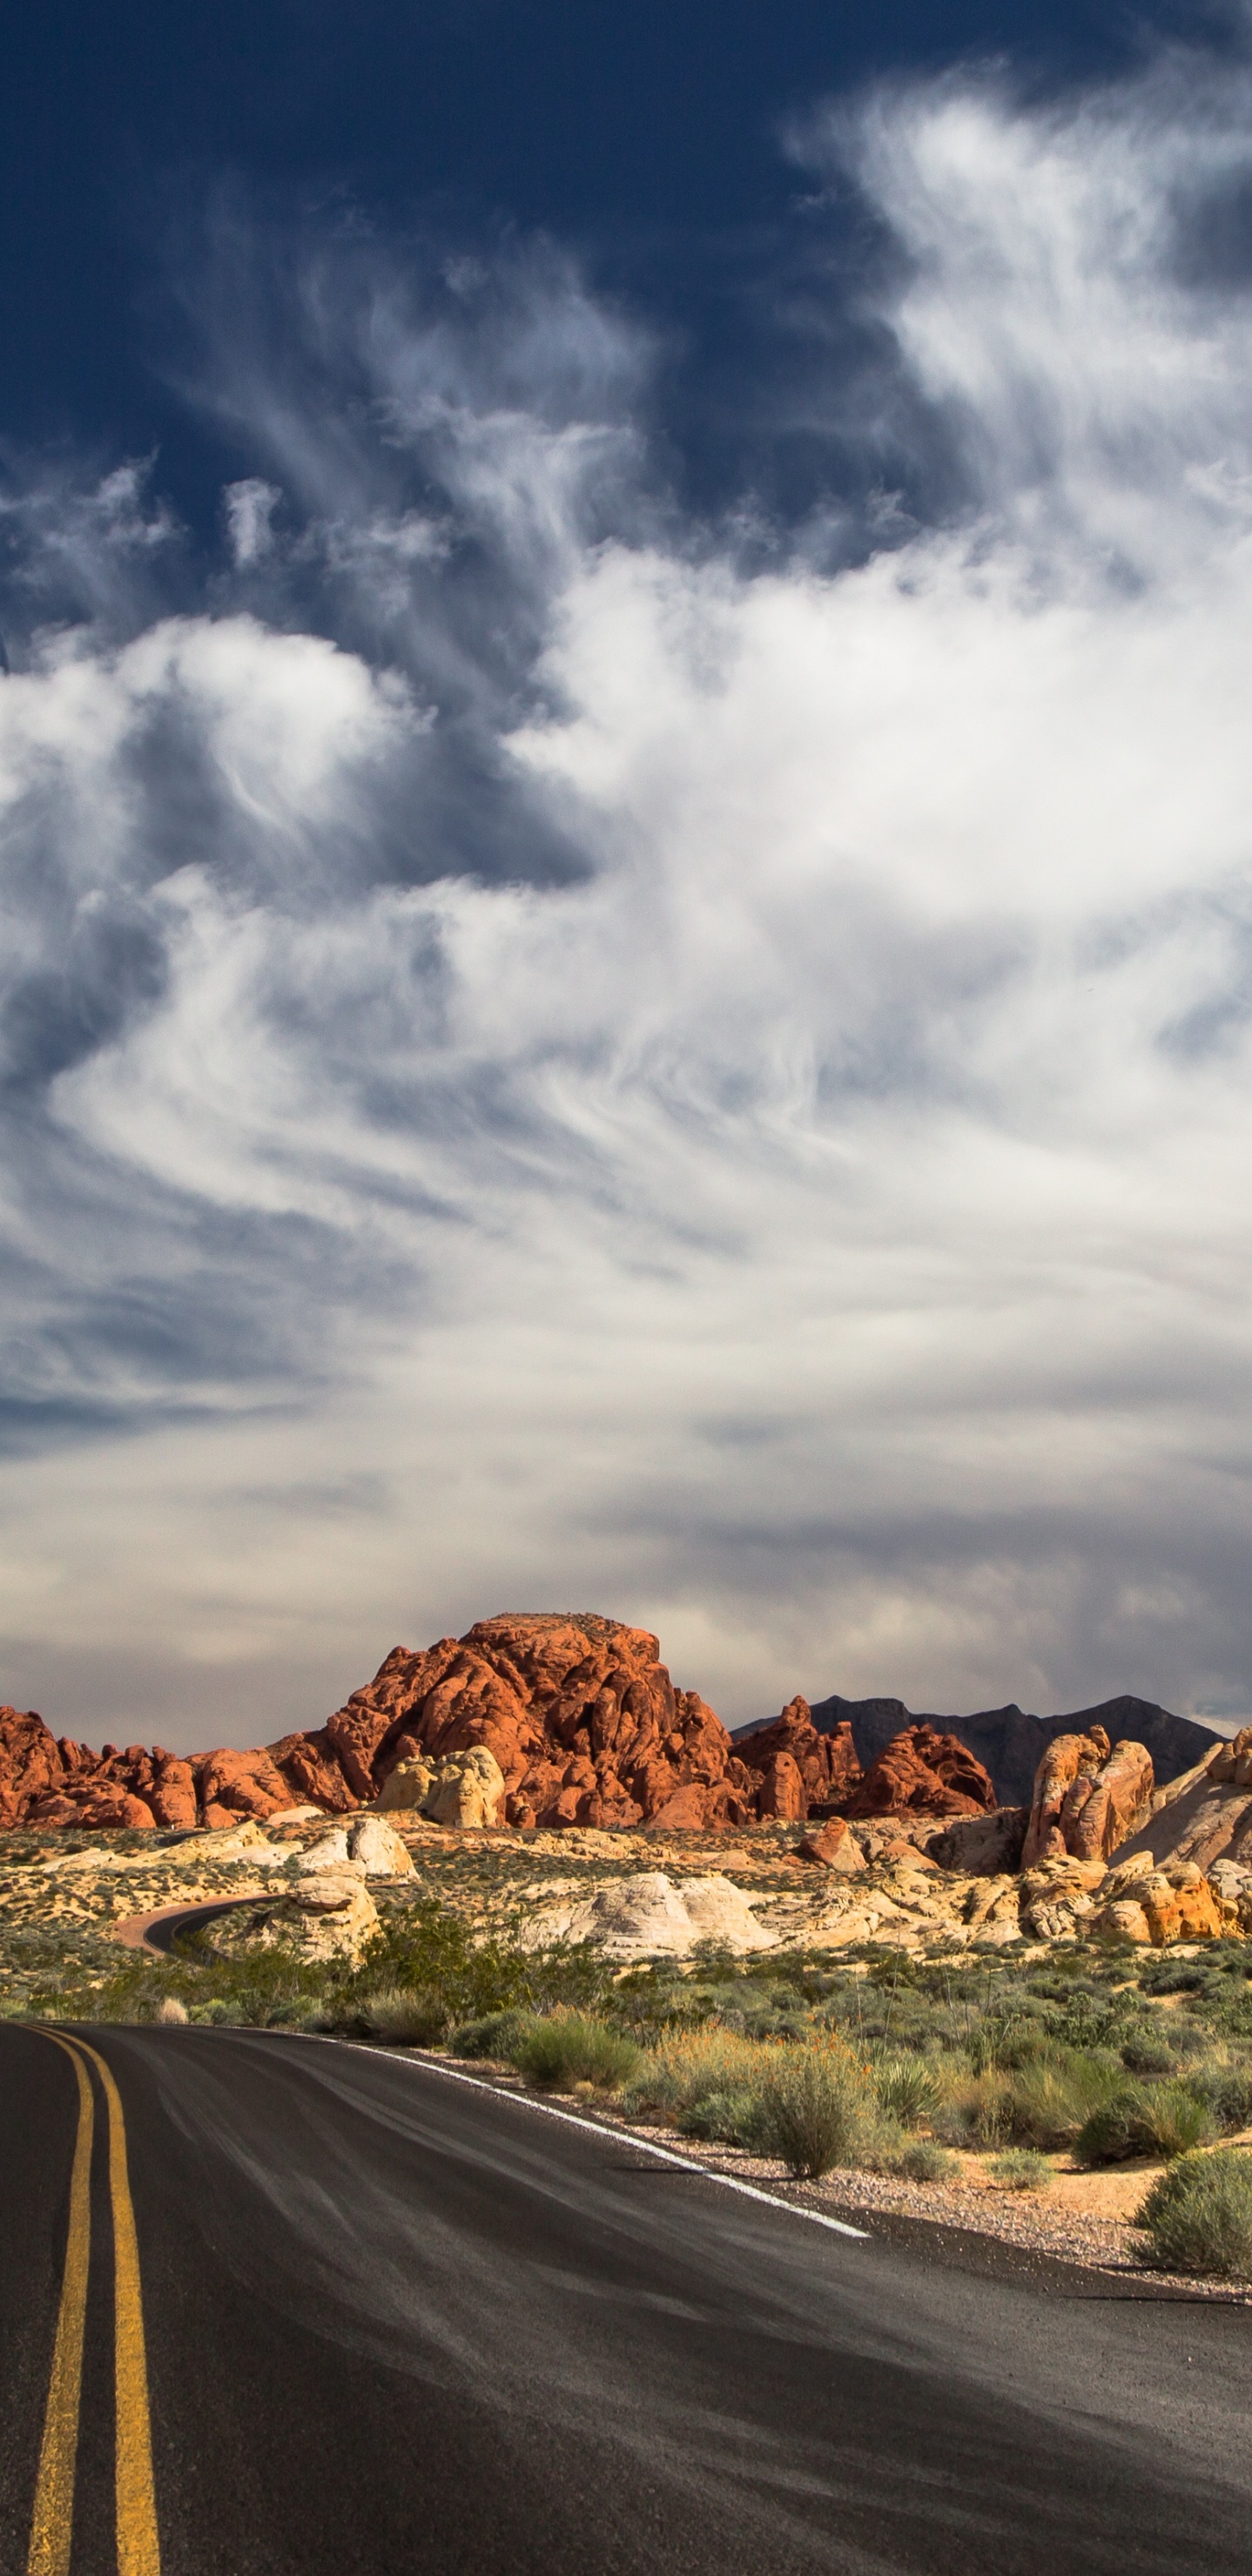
x=771, y=2021
x=1021, y=2169
x=492, y=2035
x=1169, y=1976
x=1198, y=2216
x=1227, y=2091
x=1143, y=2120
x=170, y=2010
x=906, y=2088
x=924, y=2160
x=1146, y=2054
x=815, y=2104
x=425, y=1945
x=1090, y=2020
x=562, y=2049
x=416, y=2015
x=733, y=2117
x=1179, y=2119
x=975, y=2110
x=1049, y=2104
x=687, y=2067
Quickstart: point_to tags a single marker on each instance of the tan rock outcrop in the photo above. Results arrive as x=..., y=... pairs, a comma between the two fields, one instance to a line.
x=982, y=1845
x=468, y=1790
x=1173, y=1903
x=408, y=1786
x=1099, y=1813
x=1088, y=1798
x=1068, y=1758
x=378, y=1848
x=1205, y=1816
x=328, y=1915
x=1056, y=1898
x=650, y=1915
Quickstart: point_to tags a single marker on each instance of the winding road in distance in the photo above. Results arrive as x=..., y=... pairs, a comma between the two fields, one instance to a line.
x=275, y=2307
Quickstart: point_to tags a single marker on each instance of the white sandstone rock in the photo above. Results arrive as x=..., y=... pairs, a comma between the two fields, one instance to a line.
x=377, y=1846
x=646, y=1916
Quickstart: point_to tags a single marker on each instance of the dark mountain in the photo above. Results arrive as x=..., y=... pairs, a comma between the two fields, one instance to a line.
x=1009, y=1742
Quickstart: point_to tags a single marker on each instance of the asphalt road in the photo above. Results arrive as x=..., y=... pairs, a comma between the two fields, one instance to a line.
x=393, y=2323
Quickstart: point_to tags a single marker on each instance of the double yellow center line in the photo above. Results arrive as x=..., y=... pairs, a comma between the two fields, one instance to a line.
x=52, y=2524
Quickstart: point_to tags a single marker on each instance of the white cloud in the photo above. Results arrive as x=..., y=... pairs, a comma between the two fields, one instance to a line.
x=812, y=1217
x=250, y=507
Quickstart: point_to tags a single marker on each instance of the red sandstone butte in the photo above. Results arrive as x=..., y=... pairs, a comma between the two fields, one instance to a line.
x=579, y=1711
x=922, y=1771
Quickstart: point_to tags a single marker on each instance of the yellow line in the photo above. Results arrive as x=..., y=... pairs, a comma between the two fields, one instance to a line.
x=52, y=2524
x=138, y=2544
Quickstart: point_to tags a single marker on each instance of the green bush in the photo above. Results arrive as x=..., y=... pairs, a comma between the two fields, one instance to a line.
x=412, y=2015
x=684, y=2068
x=906, y=2088
x=1179, y=2120
x=814, y=2107
x=567, y=2048
x=1021, y=2169
x=1143, y=2120
x=975, y=2110
x=1051, y=2102
x=1228, y=2092
x=1198, y=2216
x=733, y=2117
x=1144, y=2054
x=493, y=2035
x=924, y=2160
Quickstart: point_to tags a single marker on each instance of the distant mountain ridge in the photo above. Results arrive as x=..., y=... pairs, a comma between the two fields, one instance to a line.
x=1009, y=1742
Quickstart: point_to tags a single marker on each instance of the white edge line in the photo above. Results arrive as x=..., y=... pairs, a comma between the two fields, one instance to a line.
x=575, y=2120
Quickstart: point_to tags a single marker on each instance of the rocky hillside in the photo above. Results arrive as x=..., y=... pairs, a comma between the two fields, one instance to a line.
x=529, y=1719
x=1009, y=1743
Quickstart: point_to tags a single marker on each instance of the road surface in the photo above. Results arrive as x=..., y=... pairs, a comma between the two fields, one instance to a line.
x=340, y=2312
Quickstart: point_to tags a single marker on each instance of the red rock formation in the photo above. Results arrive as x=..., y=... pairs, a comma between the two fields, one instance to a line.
x=798, y=1768
x=311, y=1770
x=580, y=1714
x=32, y=1765
x=833, y=1845
x=922, y=1770
x=173, y=1798
x=231, y=1785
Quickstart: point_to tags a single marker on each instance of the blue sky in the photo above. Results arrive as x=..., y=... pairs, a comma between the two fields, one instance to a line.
x=623, y=847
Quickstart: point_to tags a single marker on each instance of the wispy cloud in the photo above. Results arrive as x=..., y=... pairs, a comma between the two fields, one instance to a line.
x=714, y=1091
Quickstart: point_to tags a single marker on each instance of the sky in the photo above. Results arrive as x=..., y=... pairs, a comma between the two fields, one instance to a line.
x=625, y=849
